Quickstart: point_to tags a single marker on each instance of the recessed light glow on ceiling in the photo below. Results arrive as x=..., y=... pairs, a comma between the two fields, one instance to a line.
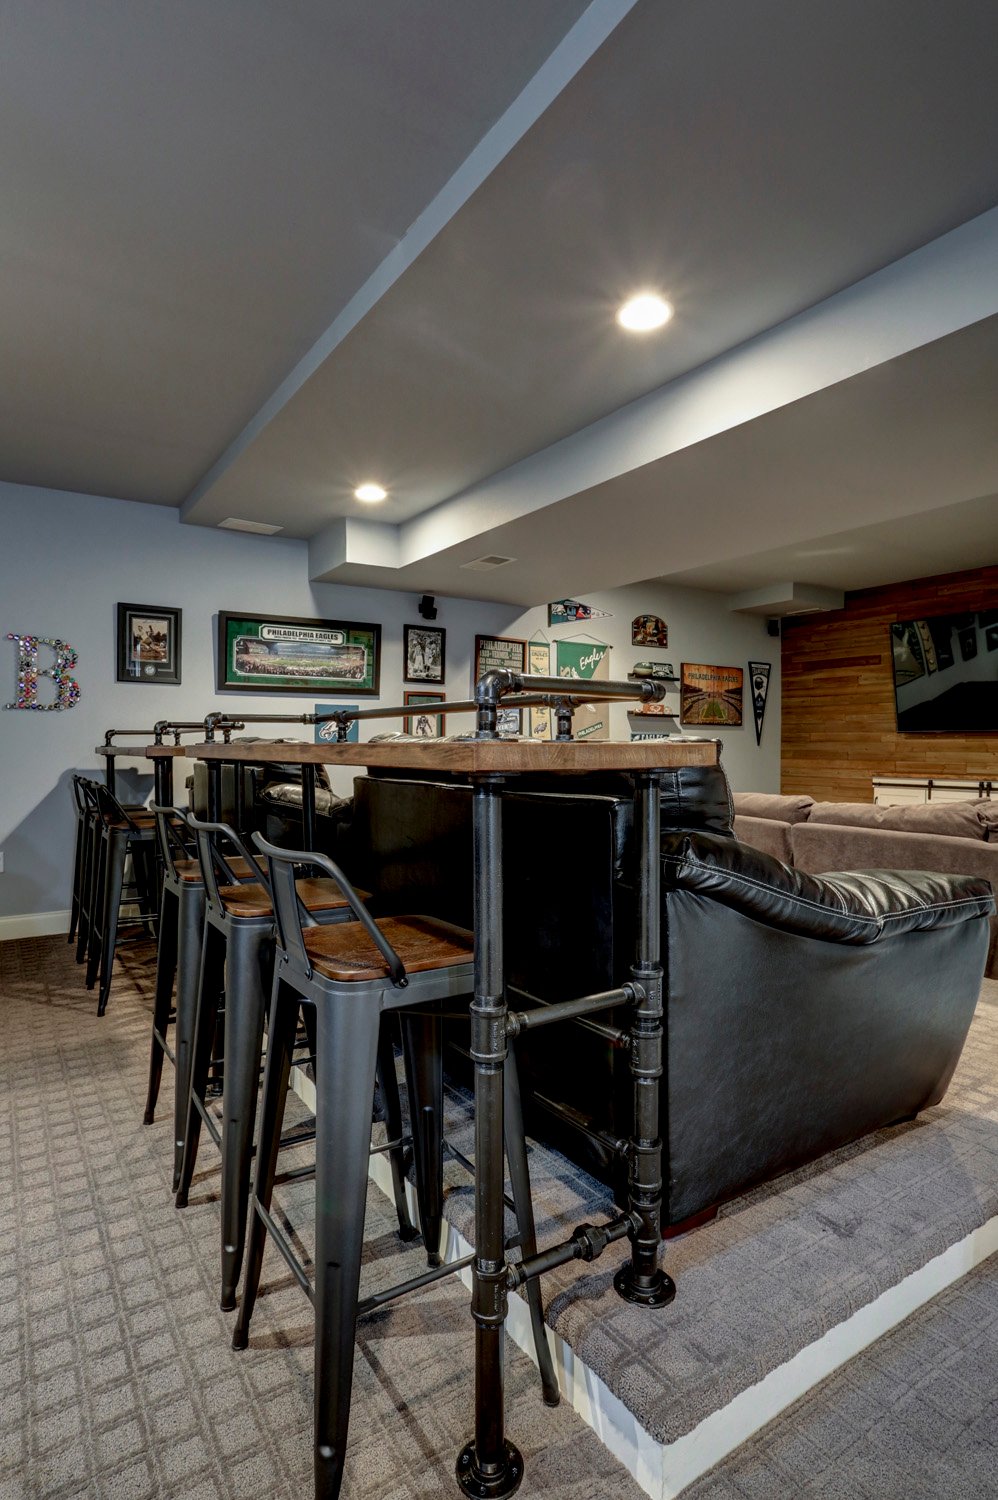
x=371, y=493
x=644, y=313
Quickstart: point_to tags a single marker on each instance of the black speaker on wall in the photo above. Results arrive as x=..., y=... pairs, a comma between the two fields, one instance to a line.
x=427, y=607
x=772, y=627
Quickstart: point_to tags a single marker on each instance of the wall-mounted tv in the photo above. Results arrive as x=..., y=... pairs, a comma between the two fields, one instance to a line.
x=946, y=674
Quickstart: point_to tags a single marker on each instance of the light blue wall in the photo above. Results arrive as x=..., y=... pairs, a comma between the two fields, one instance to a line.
x=66, y=561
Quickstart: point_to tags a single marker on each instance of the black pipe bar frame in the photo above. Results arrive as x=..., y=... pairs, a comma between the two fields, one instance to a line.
x=490, y=1467
x=518, y=1021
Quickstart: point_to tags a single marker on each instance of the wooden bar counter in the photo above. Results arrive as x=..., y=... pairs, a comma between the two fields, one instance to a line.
x=477, y=757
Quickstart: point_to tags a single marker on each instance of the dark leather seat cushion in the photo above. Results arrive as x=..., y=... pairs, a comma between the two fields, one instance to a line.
x=856, y=907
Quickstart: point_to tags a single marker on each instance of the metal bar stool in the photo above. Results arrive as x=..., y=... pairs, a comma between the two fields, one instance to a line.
x=237, y=958
x=118, y=834
x=178, y=957
x=84, y=826
x=87, y=821
x=351, y=974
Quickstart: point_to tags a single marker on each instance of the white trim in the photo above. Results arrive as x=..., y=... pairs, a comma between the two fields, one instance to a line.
x=34, y=924
x=664, y=1470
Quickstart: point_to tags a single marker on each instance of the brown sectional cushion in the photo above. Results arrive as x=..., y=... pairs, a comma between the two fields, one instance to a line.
x=771, y=835
x=772, y=805
x=956, y=820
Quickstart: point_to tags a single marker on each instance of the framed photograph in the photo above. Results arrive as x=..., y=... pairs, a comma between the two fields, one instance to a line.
x=710, y=696
x=498, y=651
x=285, y=654
x=423, y=650
x=148, y=643
x=423, y=725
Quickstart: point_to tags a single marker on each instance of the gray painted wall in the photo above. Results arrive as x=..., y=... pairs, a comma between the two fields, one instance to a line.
x=66, y=562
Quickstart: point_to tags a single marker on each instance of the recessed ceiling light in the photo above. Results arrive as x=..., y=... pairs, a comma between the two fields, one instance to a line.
x=644, y=313
x=371, y=493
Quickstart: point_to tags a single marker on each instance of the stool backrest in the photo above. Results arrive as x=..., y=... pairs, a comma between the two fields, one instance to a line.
x=174, y=838
x=110, y=810
x=288, y=909
x=211, y=839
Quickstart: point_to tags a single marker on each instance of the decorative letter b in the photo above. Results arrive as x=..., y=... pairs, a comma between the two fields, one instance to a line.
x=67, y=689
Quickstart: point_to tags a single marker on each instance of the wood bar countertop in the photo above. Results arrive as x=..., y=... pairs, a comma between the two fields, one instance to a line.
x=477, y=756
x=127, y=752
x=163, y=752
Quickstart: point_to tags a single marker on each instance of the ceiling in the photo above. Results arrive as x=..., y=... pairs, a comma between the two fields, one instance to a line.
x=259, y=255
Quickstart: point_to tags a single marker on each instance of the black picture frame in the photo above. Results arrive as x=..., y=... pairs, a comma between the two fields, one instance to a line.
x=424, y=653
x=423, y=700
x=148, y=643
x=249, y=660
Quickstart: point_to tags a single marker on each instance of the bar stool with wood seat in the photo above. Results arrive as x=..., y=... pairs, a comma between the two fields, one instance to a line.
x=85, y=820
x=87, y=823
x=351, y=974
x=178, y=959
x=237, y=959
x=120, y=834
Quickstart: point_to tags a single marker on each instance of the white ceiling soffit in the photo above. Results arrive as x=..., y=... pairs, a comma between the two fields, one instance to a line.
x=193, y=189
x=748, y=160
x=880, y=398
x=947, y=539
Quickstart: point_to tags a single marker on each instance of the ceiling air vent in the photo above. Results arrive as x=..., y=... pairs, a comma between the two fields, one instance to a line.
x=259, y=528
x=486, y=564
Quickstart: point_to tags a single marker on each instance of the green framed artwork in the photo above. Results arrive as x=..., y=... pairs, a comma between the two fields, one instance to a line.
x=285, y=654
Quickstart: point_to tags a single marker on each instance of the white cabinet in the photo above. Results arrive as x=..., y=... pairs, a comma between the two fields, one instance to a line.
x=900, y=791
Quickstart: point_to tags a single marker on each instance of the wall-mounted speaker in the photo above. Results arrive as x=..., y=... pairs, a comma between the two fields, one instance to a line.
x=427, y=607
x=772, y=627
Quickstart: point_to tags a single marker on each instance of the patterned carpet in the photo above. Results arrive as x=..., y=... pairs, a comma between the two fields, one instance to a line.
x=117, y=1380
x=915, y=1417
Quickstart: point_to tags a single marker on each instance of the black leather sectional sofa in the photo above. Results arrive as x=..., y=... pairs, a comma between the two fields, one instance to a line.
x=802, y=1012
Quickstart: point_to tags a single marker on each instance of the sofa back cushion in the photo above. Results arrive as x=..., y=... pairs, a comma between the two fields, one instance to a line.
x=955, y=820
x=772, y=805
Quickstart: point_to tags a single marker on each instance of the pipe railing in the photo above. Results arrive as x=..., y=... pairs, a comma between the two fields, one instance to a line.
x=497, y=689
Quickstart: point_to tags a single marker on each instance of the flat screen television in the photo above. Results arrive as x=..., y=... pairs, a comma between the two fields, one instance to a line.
x=946, y=674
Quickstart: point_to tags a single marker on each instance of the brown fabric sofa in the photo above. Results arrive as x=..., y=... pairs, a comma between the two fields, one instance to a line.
x=948, y=838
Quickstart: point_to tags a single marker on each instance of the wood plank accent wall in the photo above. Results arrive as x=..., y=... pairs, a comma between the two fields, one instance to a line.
x=839, y=726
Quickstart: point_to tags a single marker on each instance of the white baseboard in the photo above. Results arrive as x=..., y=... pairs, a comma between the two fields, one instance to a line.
x=34, y=924
x=664, y=1470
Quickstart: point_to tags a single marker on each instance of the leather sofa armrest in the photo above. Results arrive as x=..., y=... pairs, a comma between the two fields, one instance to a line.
x=854, y=908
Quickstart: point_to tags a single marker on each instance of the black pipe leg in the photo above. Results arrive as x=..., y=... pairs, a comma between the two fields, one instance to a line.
x=347, y=1043
x=245, y=964
x=393, y=1124
x=421, y=1042
x=519, y=1176
x=190, y=943
x=166, y=968
x=642, y=1279
x=489, y=1465
x=282, y=1027
x=209, y=993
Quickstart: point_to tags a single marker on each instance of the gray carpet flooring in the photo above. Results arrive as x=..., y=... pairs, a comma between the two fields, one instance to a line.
x=915, y=1417
x=117, y=1379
